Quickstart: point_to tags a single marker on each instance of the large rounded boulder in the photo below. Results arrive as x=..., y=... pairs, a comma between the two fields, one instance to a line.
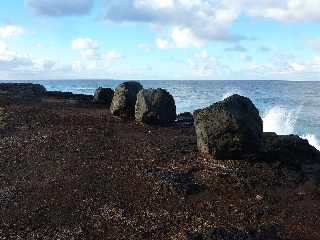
x=155, y=106
x=103, y=96
x=230, y=129
x=124, y=99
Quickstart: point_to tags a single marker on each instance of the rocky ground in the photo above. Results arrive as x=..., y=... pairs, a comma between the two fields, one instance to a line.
x=72, y=171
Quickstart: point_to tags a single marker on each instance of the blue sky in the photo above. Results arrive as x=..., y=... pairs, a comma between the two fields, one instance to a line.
x=160, y=39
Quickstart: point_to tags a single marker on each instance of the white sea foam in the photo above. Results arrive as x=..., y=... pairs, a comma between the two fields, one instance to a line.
x=312, y=140
x=279, y=120
x=283, y=122
x=230, y=93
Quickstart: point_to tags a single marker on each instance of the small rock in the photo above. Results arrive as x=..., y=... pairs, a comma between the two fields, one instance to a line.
x=180, y=182
x=259, y=197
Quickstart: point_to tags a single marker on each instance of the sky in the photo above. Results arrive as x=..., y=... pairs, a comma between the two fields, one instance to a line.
x=160, y=39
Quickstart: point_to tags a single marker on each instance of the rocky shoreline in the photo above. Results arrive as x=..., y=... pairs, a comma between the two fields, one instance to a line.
x=73, y=169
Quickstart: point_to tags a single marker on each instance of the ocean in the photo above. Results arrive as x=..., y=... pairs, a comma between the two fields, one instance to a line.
x=286, y=107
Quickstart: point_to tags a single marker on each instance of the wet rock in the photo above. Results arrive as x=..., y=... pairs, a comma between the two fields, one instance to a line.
x=103, y=96
x=21, y=91
x=230, y=129
x=155, y=106
x=124, y=99
x=178, y=181
x=290, y=150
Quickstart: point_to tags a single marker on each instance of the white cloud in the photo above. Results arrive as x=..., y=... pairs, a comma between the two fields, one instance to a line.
x=245, y=57
x=204, y=65
x=43, y=65
x=203, y=20
x=286, y=10
x=156, y=4
x=91, y=59
x=313, y=43
x=39, y=46
x=236, y=48
x=84, y=44
x=89, y=54
x=183, y=37
x=11, y=31
x=78, y=66
x=162, y=43
x=56, y=8
x=10, y=60
x=17, y=65
x=88, y=48
x=297, y=67
x=112, y=56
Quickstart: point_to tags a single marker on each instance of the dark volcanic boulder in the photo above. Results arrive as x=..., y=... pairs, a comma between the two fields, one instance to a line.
x=289, y=150
x=103, y=96
x=155, y=106
x=230, y=129
x=124, y=99
x=21, y=91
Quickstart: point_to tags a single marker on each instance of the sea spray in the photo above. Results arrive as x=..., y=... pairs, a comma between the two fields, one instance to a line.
x=283, y=122
x=230, y=93
x=280, y=120
x=312, y=139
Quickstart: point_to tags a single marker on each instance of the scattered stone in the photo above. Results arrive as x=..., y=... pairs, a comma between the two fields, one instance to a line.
x=103, y=96
x=271, y=232
x=155, y=106
x=230, y=129
x=179, y=182
x=124, y=99
x=21, y=92
x=259, y=198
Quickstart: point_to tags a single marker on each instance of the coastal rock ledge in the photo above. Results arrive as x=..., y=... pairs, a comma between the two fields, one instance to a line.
x=21, y=92
x=155, y=106
x=124, y=99
x=230, y=129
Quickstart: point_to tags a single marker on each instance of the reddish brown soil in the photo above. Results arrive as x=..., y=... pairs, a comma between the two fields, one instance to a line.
x=75, y=172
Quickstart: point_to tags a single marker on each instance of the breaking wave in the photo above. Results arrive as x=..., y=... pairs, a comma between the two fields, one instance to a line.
x=283, y=122
x=230, y=93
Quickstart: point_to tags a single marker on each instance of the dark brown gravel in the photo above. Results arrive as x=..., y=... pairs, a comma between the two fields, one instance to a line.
x=75, y=172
